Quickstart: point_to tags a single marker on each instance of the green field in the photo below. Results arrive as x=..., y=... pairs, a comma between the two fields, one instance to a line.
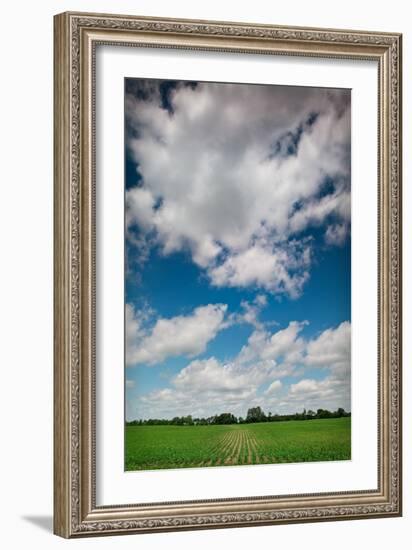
x=157, y=447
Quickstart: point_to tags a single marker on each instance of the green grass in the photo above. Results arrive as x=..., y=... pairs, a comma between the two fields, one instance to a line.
x=158, y=447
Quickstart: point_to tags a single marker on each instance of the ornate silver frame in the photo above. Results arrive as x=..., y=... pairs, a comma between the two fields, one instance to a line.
x=75, y=511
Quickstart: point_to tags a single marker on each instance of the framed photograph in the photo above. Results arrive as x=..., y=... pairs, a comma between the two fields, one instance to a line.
x=227, y=274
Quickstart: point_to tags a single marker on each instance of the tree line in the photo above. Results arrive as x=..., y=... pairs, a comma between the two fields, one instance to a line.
x=254, y=414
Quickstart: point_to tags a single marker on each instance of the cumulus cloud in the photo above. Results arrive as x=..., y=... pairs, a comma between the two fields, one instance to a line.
x=254, y=376
x=336, y=234
x=307, y=386
x=330, y=393
x=266, y=346
x=170, y=402
x=274, y=387
x=332, y=349
x=186, y=335
x=233, y=174
x=214, y=377
x=250, y=311
x=278, y=271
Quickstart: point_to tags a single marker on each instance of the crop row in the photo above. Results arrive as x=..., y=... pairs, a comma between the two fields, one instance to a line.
x=153, y=447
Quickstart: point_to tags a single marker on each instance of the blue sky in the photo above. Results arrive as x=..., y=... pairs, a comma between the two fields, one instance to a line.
x=237, y=213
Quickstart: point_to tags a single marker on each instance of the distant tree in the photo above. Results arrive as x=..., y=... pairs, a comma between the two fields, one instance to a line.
x=225, y=418
x=255, y=414
x=323, y=413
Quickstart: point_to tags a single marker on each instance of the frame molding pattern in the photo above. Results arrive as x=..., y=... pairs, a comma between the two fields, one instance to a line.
x=75, y=510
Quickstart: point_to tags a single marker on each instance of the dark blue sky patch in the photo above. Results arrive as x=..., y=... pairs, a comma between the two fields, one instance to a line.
x=166, y=88
x=288, y=144
x=133, y=177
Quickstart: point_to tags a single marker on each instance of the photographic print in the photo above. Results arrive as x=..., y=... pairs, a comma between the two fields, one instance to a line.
x=227, y=274
x=237, y=274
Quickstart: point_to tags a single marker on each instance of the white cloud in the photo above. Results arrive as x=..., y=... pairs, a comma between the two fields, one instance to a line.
x=328, y=393
x=254, y=377
x=336, y=234
x=278, y=271
x=167, y=403
x=307, y=386
x=315, y=211
x=235, y=172
x=212, y=376
x=282, y=344
x=250, y=312
x=331, y=349
x=274, y=387
x=130, y=384
x=133, y=329
x=186, y=335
